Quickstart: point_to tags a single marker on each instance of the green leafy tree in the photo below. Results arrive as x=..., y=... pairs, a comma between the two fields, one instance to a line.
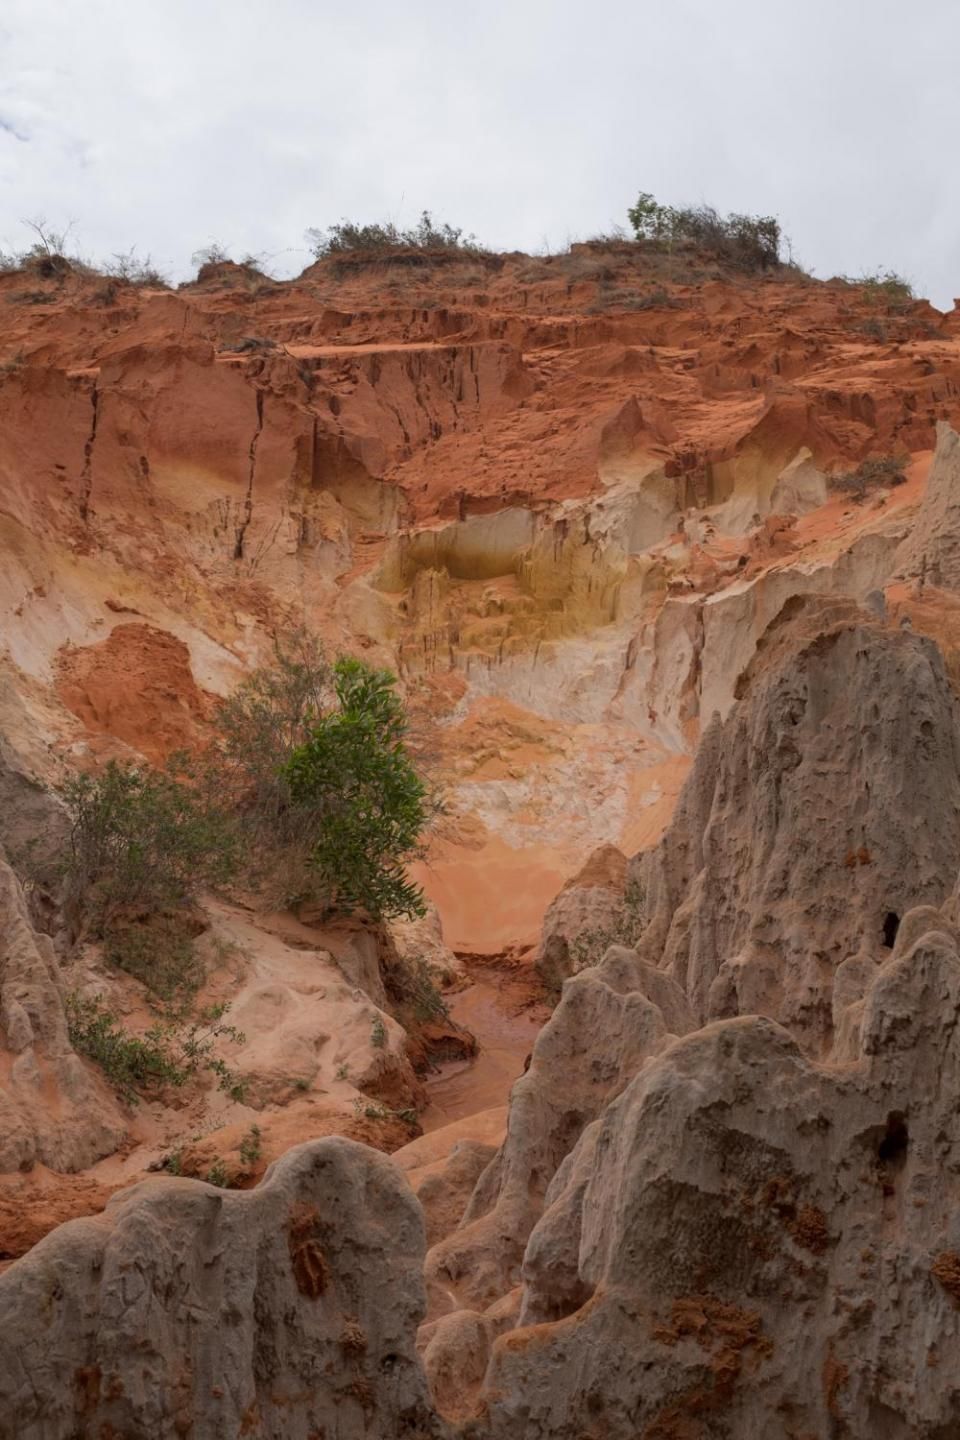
x=367, y=805
x=650, y=220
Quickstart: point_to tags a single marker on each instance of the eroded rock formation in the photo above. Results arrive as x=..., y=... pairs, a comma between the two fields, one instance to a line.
x=54, y=1110
x=747, y=1239
x=289, y=1311
x=816, y=815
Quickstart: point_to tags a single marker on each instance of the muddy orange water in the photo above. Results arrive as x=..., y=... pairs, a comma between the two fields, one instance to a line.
x=503, y=1011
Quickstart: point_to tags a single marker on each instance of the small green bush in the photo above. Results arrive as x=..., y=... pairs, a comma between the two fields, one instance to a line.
x=217, y=1175
x=169, y=1053
x=250, y=1146
x=131, y=1063
x=142, y=841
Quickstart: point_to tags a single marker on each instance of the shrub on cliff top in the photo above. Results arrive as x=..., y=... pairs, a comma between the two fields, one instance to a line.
x=47, y=256
x=748, y=242
x=382, y=238
x=886, y=286
x=128, y=268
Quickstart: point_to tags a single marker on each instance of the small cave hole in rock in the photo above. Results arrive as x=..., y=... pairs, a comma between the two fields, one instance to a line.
x=892, y=1150
x=891, y=925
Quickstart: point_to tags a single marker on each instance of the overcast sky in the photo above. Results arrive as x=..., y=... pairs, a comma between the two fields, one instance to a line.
x=168, y=125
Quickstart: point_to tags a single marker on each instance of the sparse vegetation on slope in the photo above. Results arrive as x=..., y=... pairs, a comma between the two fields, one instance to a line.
x=169, y=1053
x=872, y=474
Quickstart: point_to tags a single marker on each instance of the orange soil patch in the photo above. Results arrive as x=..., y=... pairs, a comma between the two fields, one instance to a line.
x=136, y=686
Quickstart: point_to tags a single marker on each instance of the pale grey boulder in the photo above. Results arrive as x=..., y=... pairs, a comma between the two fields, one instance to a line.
x=286, y=1312
x=748, y=1243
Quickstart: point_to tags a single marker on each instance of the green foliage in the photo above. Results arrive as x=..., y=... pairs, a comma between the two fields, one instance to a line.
x=141, y=841
x=650, y=219
x=159, y=953
x=748, y=242
x=378, y=1033
x=311, y=784
x=217, y=1175
x=250, y=1147
x=366, y=804
x=269, y=716
x=374, y=239
x=131, y=1063
x=169, y=1053
x=193, y=1042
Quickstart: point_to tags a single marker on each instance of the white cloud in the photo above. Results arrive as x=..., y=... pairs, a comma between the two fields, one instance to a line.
x=530, y=122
